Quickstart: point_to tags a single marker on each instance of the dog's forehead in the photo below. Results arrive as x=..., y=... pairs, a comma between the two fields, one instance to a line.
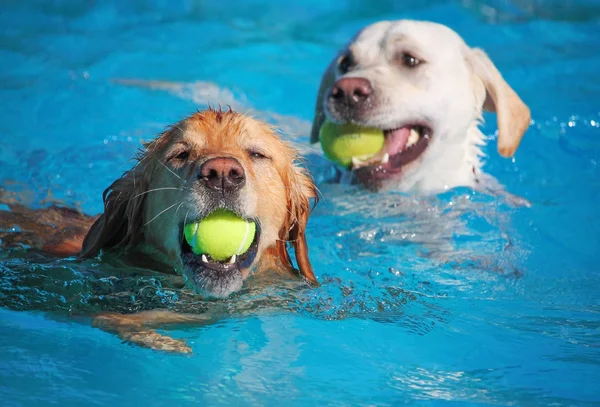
x=422, y=35
x=367, y=43
x=216, y=129
x=193, y=134
x=242, y=132
x=425, y=32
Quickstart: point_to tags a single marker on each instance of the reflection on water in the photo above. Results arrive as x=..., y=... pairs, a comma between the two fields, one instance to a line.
x=386, y=257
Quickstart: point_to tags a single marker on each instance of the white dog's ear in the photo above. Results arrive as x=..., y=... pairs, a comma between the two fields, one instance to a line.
x=513, y=115
x=326, y=82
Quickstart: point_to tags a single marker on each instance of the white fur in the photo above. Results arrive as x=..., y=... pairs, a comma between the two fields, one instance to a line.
x=447, y=91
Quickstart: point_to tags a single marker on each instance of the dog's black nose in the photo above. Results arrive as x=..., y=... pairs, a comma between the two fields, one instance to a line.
x=352, y=91
x=224, y=174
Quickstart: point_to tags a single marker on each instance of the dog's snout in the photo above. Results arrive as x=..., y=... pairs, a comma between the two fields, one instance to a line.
x=353, y=91
x=224, y=174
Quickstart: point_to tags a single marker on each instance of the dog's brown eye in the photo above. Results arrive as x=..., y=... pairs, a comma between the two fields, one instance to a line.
x=257, y=154
x=408, y=60
x=181, y=156
x=345, y=63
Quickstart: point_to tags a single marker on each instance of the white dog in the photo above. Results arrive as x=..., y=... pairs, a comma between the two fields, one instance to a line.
x=421, y=84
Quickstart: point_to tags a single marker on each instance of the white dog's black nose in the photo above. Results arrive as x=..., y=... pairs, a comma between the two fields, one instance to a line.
x=351, y=91
x=224, y=174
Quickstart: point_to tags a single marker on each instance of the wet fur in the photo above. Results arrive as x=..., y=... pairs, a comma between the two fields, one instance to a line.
x=448, y=92
x=144, y=211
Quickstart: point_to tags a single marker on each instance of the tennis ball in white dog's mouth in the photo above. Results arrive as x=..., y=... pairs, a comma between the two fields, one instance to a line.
x=221, y=235
x=342, y=142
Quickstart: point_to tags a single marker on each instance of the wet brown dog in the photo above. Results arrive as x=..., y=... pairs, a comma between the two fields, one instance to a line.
x=211, y=160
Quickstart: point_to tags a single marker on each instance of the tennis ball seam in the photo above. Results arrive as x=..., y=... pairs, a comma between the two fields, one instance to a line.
x=243, y=243
x=217, y=243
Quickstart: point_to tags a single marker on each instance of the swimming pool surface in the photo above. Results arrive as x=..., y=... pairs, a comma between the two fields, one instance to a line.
x=459, y=298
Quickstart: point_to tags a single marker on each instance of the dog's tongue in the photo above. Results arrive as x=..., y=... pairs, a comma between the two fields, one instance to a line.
x=395, y=140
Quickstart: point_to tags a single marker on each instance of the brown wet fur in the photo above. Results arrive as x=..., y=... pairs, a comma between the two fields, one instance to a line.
x=279, y=193
x=56, y=230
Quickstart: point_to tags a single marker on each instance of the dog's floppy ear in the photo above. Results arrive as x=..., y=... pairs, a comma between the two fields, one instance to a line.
x=513, y=115
x=300, y=190
x=326, y=82
x=122, y=219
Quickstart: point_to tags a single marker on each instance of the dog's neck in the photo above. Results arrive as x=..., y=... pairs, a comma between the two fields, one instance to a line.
x=449, y=165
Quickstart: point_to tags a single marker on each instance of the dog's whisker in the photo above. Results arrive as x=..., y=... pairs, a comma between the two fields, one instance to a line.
x=161, y=212
x=157, y=189
x=167, y=168
x=184, y=222
x=286, y=240
x=177, y=210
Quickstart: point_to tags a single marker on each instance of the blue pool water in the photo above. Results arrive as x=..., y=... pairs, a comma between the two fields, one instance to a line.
x=458, y=298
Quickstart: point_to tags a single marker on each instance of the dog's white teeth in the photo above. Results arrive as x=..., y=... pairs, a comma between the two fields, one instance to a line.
x=233, y=259
x=385, y=159
x=412, y=138
x=204, y=258
x=357, y=162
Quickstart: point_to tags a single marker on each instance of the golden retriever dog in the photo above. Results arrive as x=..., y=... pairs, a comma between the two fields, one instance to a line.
x=212, y=160
x=426, y=89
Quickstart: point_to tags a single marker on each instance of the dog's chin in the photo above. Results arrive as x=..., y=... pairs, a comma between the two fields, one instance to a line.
x=217, y=279
x=403, y=149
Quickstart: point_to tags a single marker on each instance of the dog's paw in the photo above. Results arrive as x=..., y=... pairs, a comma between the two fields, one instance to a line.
x=154, y=340
x=130, y=328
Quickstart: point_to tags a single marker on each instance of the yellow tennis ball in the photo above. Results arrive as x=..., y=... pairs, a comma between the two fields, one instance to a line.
x=341, y=142
x=221, y=235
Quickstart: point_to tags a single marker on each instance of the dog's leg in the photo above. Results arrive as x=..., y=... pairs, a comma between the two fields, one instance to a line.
x=55, y=230
x=149, y=338
x=138, y=328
